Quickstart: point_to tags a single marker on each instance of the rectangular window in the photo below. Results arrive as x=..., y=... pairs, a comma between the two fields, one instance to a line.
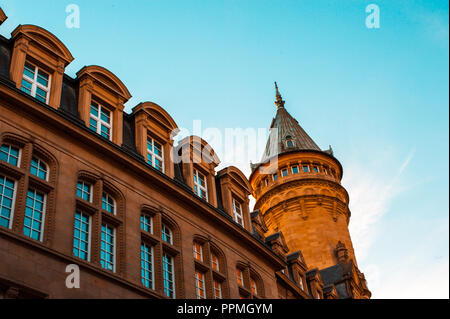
x=266, y=181
x=168, y=276
x=107, y=249
x=81, y=235
x=200, y=185
x=305, y=168
x=284, y=172
x=147, y=223
x=34, y=214
x=294, y=169
x=39, y=168
x=35, y=82
x=240, y=277
x=274, y=177
x=237, y=211
x=325, y=170
x=84, y=191
x=100, y=120
x=215, y=262
x=217, y=290
x=147, y=265
x=200, y=285
x=316, y=169
x=10, y=154
x=198, y=252
x=253, y=287
x=7, y=198
x=155, y=154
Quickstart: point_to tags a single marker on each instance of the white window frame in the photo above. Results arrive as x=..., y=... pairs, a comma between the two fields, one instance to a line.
x=154, y=155
x=11, y=217
x=284, y=170
x=47, y=167
x=237, y=214
x=253, y=281
x=273, y=176
x=34, y=83
x=19, y=154
x=114, y=203
x=172, y=271
x=114, y=246
x=198, y=252
x=152, y=265
x=44, y=208
x=219, y=290
x=89, y=235
x=197, y=287
x=99, y=120
x=292, y=169
x=150, y=225
x=90, y=190
x=215, y=263
x=199, y=186
x=164, y=226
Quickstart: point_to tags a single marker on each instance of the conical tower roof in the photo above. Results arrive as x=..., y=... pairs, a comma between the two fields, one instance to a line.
x=286, y=134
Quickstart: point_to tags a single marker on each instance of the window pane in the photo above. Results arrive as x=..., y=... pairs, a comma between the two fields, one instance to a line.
x=34, y=211
x=6, y=200
x=107, y=247
x=81, y=235
x=147, y=265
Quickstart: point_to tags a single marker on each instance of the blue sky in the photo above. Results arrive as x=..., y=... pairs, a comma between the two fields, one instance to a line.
x=378, y=96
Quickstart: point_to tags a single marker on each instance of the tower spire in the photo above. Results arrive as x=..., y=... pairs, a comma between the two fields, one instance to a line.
x=279, y=100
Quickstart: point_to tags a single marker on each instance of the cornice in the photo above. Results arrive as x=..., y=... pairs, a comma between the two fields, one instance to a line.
x=11, y=95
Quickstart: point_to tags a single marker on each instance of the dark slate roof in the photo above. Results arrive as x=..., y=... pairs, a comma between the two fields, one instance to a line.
x=284, y=126
x=335, y=275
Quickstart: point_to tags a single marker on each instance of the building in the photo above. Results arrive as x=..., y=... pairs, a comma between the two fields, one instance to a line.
x=83, y=182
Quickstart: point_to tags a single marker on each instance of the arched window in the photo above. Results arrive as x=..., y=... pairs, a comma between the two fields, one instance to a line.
x=108, y=203
x=10, y=154
x=289, y=141
x=249, y=282
x=84, y=190
x=39, y=168
x=166, y=234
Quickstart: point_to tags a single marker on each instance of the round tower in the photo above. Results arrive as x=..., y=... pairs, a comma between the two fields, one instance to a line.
x=298, y=190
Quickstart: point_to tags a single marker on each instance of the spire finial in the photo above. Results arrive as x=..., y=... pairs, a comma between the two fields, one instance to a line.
x=279, y=100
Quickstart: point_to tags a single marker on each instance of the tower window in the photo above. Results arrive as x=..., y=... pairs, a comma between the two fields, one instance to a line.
x=35, y=82
x=294, y=169
x=290, y=143
x=284, y=172
x=100, y=120
x=306, y=168
x=316, y=169
x=274, y=177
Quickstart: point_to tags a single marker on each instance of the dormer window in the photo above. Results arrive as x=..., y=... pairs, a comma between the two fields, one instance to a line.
x=155, y=154
x=237, y=212
x=100, y=120
x=200, y=187
x=35, y=82
x=289, y=141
